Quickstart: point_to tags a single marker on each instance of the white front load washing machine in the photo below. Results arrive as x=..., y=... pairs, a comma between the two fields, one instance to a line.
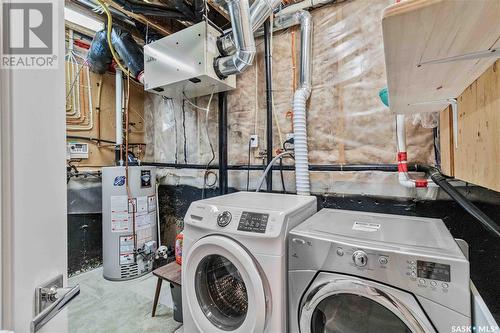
x=234, y=272
x=356, y=272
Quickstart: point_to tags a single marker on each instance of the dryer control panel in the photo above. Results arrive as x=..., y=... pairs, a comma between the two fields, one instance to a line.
x=433, y=277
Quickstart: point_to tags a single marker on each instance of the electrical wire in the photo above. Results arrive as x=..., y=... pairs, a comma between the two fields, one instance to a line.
x=207, y=171
x=110, y=44
x=248, y=162
x=281, y=174
x=184, y=130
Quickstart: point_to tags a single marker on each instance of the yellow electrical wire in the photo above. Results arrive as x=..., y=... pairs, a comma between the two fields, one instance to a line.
x=110, y=26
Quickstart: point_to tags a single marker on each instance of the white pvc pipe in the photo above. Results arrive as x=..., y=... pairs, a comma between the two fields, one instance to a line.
x=401, y=132
x=118, y=107
x=403, y=176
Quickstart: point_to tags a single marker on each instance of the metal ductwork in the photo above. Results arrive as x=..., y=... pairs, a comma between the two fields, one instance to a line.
x=259, y=12
x=239, y=12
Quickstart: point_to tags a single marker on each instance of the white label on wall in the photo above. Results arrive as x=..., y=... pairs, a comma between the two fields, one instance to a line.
x=119, y=214
x=366, y=226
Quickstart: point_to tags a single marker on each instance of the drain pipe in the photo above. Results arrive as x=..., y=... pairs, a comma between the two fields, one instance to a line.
x=300, y=98
x=238, y=62
x=404, y=177
x=259, y=12
x=118, y=116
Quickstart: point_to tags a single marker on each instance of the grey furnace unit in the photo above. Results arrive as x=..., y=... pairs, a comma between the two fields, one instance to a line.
x=124, y=259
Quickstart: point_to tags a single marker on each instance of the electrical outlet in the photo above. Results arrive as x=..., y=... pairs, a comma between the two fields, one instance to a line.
x=254, y=141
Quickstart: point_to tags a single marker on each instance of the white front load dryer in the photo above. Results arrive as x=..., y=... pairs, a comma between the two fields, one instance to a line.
x=358, y=272
x=234, y=266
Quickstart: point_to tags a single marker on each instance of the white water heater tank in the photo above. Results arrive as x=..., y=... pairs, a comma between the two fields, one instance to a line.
x=123, y=256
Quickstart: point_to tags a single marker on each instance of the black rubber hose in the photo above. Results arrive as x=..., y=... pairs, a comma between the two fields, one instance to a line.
x=485, y=220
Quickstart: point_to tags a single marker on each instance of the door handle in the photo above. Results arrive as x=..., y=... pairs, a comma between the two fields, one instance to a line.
x=50, y=298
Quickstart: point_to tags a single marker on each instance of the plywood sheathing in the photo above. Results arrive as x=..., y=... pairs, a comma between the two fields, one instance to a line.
x=347, y=53
x=104, y=156
x=477, y=157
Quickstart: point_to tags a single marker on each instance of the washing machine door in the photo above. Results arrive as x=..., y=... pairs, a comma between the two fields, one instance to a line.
x=343, y=304
x=227, y=291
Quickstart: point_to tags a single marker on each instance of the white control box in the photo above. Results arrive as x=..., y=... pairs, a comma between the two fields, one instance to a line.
x=183, y=63
x=77, y=150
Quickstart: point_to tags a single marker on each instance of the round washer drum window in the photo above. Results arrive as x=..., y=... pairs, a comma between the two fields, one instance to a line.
x=350, y=313
x=221, y=292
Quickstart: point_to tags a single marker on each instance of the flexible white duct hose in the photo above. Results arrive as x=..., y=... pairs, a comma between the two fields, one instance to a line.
x=300, y=98
x=302, y=183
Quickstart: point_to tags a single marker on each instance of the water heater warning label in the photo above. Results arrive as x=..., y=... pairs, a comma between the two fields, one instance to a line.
x=126, y=250
x=119, y=214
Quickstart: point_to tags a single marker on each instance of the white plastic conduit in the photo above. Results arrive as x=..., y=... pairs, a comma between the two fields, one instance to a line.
x=118, y=108
x=300, y=98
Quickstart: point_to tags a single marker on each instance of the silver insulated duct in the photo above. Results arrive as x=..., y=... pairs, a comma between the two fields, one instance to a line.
x=259, y=12
x=239, y=12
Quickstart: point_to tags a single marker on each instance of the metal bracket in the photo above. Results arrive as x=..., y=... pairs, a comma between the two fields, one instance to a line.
x=490, y=53
x=50, y=298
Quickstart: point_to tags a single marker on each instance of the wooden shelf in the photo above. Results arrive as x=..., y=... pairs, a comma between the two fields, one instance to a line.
x=420, y=37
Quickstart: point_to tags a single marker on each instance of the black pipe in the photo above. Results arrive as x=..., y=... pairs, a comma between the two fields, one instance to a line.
x=180, y=11
x=223, y=186
x=85, y=138
x=485, y=220
x=269, y=100
x=312, y=167
x=198, y=9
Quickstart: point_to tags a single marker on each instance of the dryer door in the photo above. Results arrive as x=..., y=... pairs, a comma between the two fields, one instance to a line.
x=227, y=291
x=337, y=303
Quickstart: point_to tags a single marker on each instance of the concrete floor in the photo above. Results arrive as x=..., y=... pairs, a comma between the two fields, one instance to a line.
x=105, y=306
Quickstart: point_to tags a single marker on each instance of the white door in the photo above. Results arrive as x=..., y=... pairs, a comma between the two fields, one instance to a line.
x=337, y=303
x=225, y=288
x=32, y=175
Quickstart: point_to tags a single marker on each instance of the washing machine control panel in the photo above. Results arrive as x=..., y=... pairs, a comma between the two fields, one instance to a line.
x=253, y=222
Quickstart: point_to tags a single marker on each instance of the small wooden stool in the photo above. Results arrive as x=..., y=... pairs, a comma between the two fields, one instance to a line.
x=171, y=273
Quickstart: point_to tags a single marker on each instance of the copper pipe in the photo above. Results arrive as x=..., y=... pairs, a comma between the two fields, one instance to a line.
x=98, y=110
x=127, y=100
